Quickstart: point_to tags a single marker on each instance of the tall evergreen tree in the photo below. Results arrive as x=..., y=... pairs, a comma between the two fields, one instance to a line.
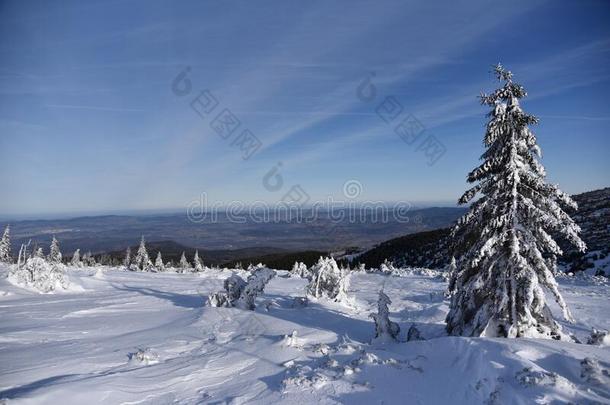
x=54, y=251
x=5, y=246
x=184, y=264
x=142, y=260
x=197, y=263
x=76, y=259
x=506, y=243
x=86, y=259
x=159, y=262
x=127, y=260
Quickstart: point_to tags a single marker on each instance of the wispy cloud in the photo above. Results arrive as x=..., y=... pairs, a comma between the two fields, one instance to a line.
x=93, y=107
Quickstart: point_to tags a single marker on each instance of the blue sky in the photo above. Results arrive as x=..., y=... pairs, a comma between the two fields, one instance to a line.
x=89, y=122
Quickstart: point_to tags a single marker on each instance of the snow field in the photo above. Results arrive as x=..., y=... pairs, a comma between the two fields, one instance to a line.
x=128, y=337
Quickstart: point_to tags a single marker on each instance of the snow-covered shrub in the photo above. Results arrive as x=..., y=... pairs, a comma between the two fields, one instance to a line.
x=327, y=280
x=219, y=299
x=233, y=286
x=40, y=275
x=385, y=330
x=506, y=243
x=599, y=338
x=529, y=377
x=239, y=293
x=143, y=356
x=255, y=286
x=387, y=267
x=252, y=268
x=292, y=340
x=299, y=269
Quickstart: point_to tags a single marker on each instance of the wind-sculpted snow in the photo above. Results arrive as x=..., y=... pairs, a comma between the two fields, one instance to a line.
x=134, y=337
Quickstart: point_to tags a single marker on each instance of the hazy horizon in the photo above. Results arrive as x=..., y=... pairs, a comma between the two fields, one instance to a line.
x=175, y=211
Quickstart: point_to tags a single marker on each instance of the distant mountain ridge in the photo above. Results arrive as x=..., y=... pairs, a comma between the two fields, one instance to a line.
x=171, y=252
x=593, y=216
x=112, y=233
x=431, y=249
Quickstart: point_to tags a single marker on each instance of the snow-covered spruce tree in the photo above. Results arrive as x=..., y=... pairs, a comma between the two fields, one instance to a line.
x=54, y=251
x=5, y=246
x=184, y=266
x=127, y=260
x=385, y=330
x=344, y=284
x=159, y=263
x=197, y=263
x=505, y=241
x=76, y=262
x=142, y=261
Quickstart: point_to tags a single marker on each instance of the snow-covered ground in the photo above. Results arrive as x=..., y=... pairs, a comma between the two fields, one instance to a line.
x=123, y=337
